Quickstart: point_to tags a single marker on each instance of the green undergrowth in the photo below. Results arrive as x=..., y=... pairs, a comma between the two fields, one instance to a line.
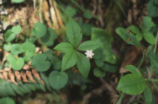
x=82, y=52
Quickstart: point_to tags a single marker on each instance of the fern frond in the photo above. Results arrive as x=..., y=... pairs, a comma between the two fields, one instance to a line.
x=24, y=76
x=8, y=88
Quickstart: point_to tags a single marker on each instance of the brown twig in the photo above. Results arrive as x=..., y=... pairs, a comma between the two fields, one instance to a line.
x=98, y=91
x=131, y=99
x=88, y=95
x=112, y=91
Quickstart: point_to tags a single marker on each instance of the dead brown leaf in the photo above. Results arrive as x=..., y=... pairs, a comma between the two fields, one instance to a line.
x=130, y=58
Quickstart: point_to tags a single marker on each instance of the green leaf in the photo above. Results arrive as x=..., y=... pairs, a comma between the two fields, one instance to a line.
x=148, y=95
x=40, y=62
x=98, y=73
x=6, y=100
x=70, y=11
x=14, y=48
x=132, y=84
x=149, y=37
x=11, y=33
x=17, y=1
x=49, y=38
x=69, y=60
x=88, y=14
x=7, y=47
x=135, y=31
x=28, y=49
x=90, y=45
x=73, y=32
x=39, y=30
x=16, y=63
x=55, y=61
x=147, y=24
x=152, y=9
x=133, y=69
x=64, y=47
x=152, y=57
x=99, y=62
x=86, y=29
x=155, y=2
x=58, y=79
x=49, y=54
x=4, y=86
x=16, y=29
x=127, y=37
x=122, y=33
x=105, y=52
x=109, y=68
x=83, y=64
x=9, y=36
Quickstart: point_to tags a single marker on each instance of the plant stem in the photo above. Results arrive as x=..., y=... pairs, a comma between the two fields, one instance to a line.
x=120, y=99
x=153, y=80
x=142, y=60
x=75, y=3
x=156, y=42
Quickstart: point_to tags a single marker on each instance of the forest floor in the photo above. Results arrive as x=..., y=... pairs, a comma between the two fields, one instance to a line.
x=111, y=15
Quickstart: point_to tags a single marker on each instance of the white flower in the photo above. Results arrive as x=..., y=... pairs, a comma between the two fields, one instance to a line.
x=89, y=54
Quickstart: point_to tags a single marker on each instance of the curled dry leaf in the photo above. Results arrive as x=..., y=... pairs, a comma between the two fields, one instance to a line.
x=38, y=50
x=29, y=75
x=18, y=15
x=23, y=75
x=27, y=66
x=12, y=77
x=36, y=75
x=34, y=17
x=130, y=59
x=18, y=76
x=5, y=54
x=5, y=75
x=1, y=76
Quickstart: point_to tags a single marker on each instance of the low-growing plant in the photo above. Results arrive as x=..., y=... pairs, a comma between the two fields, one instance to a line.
x=46, y=60
x=152, y=8
x=49, y=64
x=140, y=78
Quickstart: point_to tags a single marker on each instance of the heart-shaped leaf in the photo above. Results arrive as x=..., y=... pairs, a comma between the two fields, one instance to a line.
x=40, y=62
x=58, y=79
x=132, y=84
x=6, y=100
x=11, y=33
x=39, y=30
x=28, y=50
x=16, y=63
x=49, y=38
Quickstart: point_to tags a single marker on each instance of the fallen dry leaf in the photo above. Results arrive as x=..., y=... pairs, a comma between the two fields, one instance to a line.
x=130, y=58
